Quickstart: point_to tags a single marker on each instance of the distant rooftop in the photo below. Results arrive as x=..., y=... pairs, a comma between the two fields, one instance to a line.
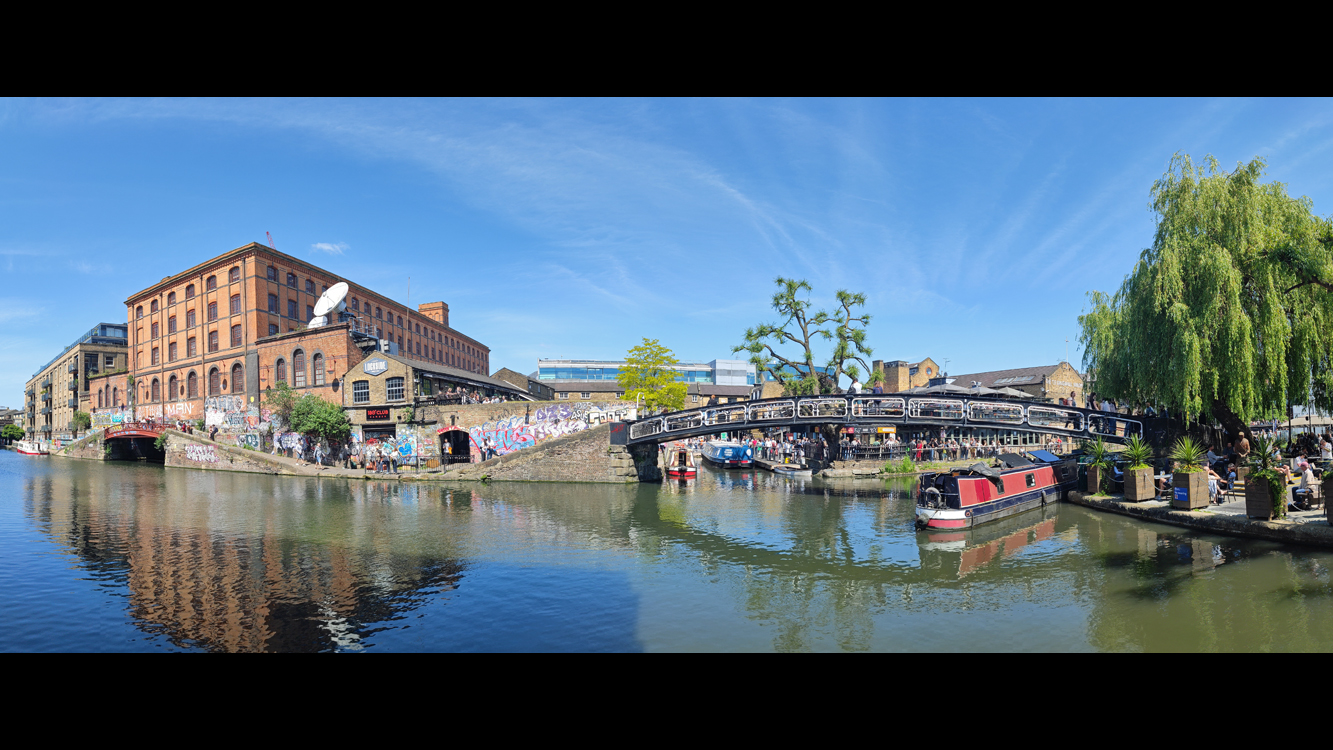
x=111, y=334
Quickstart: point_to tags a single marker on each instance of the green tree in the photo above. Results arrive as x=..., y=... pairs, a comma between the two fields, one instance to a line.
x=12, y=432
x=280, y=399
x=798, y=373
x=82, y=421
x=313, y=416
x=648, y=374
x=1227, y=314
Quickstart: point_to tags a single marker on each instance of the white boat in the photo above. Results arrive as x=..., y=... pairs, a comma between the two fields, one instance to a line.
x=728, y=455
x=32, y=448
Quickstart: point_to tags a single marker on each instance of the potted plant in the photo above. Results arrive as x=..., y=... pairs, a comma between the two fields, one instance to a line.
x=1099, y=465
x=1265, y=487
x=1138, y=470
x=1189, y=479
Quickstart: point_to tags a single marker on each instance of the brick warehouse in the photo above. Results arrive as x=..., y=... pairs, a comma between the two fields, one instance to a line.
x=235, y=324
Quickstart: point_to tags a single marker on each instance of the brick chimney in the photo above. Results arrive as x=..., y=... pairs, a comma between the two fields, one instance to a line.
x=436, y=311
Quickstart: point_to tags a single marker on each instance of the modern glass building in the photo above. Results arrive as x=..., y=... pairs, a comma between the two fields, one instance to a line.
x=716, y=372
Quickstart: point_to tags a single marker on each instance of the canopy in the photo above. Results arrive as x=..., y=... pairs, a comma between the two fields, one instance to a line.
x=1014, y=392
x=982, y=390
x=947, y=388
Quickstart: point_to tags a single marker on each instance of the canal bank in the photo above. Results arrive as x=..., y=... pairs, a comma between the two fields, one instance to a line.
x=1310, y=529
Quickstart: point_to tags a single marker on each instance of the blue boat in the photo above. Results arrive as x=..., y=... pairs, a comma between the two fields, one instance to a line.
x=728, y=455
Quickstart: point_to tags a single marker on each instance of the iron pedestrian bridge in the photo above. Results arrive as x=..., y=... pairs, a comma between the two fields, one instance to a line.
x=861, y=410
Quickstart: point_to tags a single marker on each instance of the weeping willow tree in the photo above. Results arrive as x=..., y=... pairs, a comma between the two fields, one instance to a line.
x=1228, y=314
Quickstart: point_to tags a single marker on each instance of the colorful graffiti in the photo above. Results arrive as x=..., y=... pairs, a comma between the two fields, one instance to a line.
x=248, y=440
x=519, y=432
x=107, y=419
x=229, y=413
x=201, y=453
x=169, y=410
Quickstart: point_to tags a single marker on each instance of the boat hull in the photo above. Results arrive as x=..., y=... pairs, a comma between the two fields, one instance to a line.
x=28, y=448
x=727, y=455
x=684, y=473
x=950, y=518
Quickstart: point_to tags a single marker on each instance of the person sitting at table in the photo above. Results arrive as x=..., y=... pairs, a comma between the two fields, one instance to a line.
x=1303, y=495
x=1163, y=482
x=1231, y=476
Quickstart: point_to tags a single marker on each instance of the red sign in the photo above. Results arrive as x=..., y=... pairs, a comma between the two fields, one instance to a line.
x=380, y=414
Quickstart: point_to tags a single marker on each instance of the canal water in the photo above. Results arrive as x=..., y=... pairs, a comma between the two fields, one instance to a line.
x=132, y=557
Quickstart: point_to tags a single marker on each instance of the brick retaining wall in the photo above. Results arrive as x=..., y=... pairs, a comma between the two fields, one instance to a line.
x=580, y=457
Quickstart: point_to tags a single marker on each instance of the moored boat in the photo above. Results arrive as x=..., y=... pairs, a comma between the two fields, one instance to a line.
x=728, y=455
x=963, y=498
x=681, y=463
x=32, y=448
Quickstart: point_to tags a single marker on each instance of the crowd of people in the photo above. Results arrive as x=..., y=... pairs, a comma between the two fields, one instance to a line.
x=473, y=396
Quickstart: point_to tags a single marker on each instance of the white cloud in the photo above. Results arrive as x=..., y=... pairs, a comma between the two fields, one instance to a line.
x=332, y=248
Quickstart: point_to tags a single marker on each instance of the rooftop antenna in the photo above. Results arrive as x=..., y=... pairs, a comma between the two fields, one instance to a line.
x=270, y=240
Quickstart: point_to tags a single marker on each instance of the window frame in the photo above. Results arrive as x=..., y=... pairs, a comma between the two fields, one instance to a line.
x=360, y=391
x=395, y=384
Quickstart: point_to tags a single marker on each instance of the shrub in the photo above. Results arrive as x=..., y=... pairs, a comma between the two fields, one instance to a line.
x=1188, y=454
x=1138, y=453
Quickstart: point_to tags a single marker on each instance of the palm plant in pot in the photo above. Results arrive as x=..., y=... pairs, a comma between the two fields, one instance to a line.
x=1189, y=475
x=1099, y=465
x=1265, y=487
x=1138, y=470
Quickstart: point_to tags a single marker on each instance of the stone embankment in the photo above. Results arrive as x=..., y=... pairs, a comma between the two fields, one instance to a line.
x=580, y=457
x=1311, y=529
x=198, y=452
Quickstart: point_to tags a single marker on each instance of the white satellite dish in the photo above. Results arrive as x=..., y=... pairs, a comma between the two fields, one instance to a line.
x=329, y=301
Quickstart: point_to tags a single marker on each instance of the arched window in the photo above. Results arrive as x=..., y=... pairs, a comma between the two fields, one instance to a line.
x=138, y=312
x=280, y=371
x=157, y=390
x=237, y=378
x=234, y=275
x=418, y=327
x=235, y=304
x=356, y=305
x=214, y=382
x=236, y=335
x=211, y=284
x=115, y=397
x=317, y=364
x=192, y=385
x=379, y=313
x=298, y=369
x=171, y=298
x=152, y=307
x=291, y=280
x=189, y=291
x=173, y=392
x=272, y=273
x=400, y=321
x=99, y=398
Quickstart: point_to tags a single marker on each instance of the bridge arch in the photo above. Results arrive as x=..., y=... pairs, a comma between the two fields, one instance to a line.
x=133, y=441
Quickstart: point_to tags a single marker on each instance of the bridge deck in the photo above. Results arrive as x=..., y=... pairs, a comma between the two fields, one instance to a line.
x=868, y=410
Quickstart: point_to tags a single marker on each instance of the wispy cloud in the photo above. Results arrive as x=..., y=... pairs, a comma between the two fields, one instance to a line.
x=332, y=248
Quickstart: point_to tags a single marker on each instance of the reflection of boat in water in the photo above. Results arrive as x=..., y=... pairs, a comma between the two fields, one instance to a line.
x=31, y=448
x=727, y=454
x=956, y=553
x=680, y=463
x=791, y=470
x=963, y=498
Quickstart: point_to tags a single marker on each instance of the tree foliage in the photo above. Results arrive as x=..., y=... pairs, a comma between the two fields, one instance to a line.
x=280, y=399
x=12, y=432
x=647, y=374
x=313, y=416
x=1227, y=314
x=845, y=327
x=82, y=421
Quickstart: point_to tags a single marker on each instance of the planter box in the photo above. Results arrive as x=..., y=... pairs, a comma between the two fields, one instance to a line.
x=1094, y=480
x=1139, y=485
x=1195, y=491
x=1258, y=500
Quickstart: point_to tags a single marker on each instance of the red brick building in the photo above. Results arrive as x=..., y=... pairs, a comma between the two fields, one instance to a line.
x=235, y=325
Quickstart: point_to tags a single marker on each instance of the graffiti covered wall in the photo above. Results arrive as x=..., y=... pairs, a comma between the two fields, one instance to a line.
x=522, y=431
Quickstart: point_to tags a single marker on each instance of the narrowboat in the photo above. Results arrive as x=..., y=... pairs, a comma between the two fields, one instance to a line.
x=963, y=498
x=680, y=463
x=952, y=554
x=31, y=448
x=728, y=455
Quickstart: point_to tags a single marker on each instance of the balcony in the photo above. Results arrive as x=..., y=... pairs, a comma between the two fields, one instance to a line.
x=44, y=410
x=74, y=385
x=30, y=392
x=73, y=367
x=46, y=396
x=73, y=403
x=46, y=383
x=44, y=428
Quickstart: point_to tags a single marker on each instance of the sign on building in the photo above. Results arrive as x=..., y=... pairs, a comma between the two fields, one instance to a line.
x=374, y=366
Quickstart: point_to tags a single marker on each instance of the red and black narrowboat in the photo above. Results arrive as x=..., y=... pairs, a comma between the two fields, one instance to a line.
x=963, y=498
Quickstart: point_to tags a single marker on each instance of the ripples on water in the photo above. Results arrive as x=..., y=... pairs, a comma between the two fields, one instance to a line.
x=134, y=557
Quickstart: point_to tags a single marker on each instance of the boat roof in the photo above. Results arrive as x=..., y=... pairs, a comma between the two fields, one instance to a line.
x=1046, y=456
x=1013, y=460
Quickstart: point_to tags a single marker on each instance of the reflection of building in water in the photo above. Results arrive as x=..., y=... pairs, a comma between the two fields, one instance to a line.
x=234, y=592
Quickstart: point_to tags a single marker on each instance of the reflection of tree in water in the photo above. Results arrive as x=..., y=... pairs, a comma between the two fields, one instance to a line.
x=201, y=586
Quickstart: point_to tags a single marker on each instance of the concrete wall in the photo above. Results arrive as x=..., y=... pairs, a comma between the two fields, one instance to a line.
x=585, y=456
x=517, y=425
x=191, y=452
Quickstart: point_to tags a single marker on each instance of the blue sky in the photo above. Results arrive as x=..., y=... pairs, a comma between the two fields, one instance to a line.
x=558, y=228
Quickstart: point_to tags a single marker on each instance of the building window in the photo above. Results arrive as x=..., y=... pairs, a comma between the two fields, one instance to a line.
x=99, y=398
x=212, y=311
x=236, y=335
x=280, y=370
x=234, y=275
x=361, y=392
x=585, y=394
x=155, y=330
x=272, y=329
x=317, y=365
x=110, y=361
x=212, y=341
x=562, y=395
x=191, y=348
x=273, y=304
x=309, y=313
x=356, y=305
x=152, y=307
x=379, y=332
x=115, y=397
x=189, y=292
x=172, y=392
x=189, y=319
x=138, y=312
x=155, y=355
x=171, y=352
x=171, y=299
x=393, y=388
x=214, y=382
x=298, y=369
x=237, y=378
x=291, y=280
x=171, y=324
x=192, y=385
x=400, y=321
x=157, y=390
x=291, y=308
x=309, y=286
x=235, y=304
x=400, y=342
x=211, y=284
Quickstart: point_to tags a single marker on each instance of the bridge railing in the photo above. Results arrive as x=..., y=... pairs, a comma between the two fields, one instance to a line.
x=854, y=409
